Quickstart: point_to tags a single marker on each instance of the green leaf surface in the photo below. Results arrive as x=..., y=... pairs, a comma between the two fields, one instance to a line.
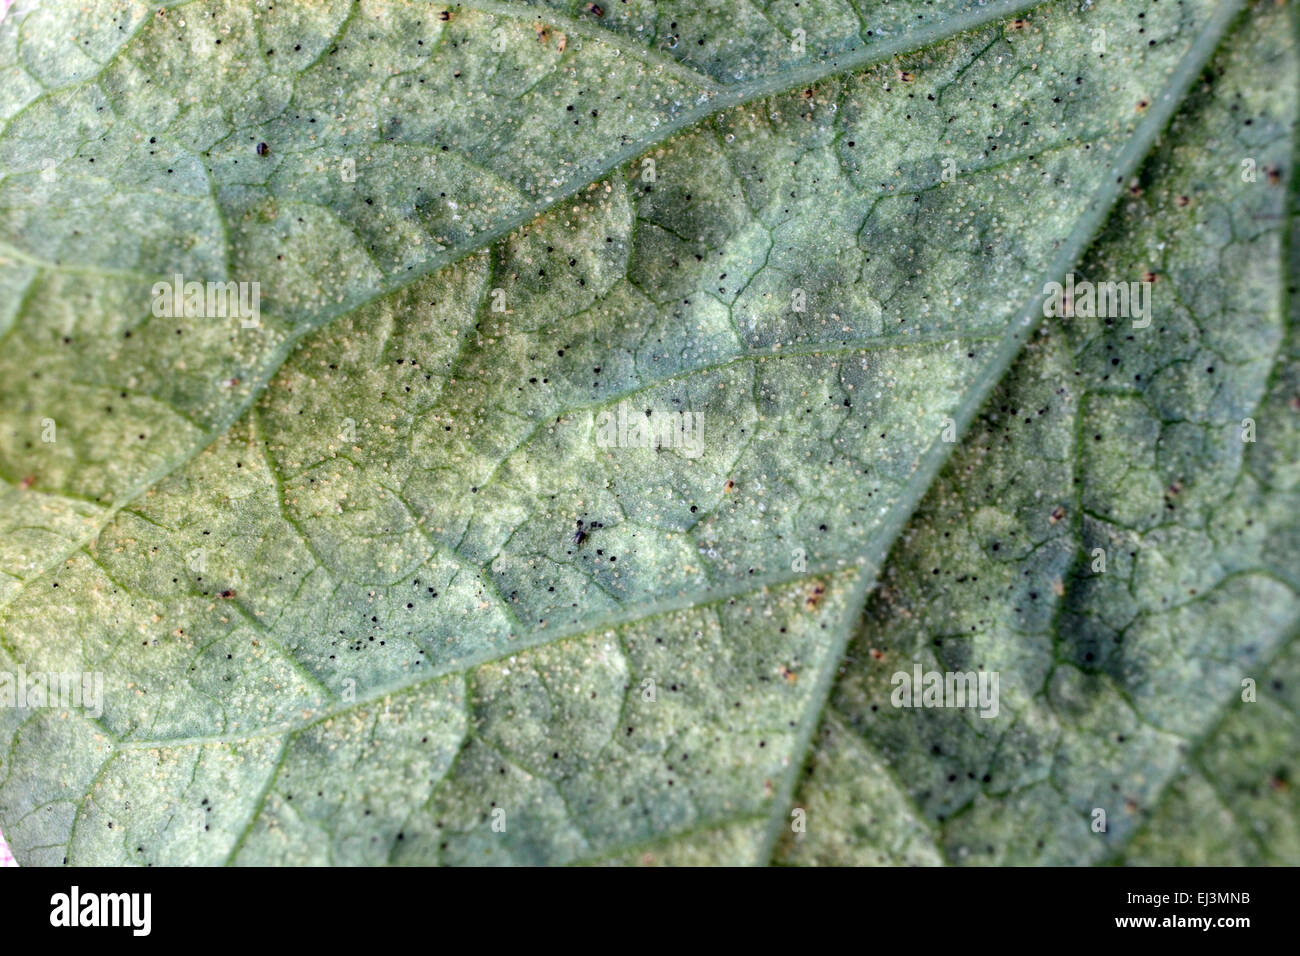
x=1121, y=687
x=327, y=567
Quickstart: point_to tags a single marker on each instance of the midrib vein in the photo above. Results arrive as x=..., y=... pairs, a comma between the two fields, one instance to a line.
x=713, y=103
x=1022, y=326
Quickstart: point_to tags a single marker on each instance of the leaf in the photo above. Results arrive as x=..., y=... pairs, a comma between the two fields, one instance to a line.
x=1123, y=629
x=327, y=567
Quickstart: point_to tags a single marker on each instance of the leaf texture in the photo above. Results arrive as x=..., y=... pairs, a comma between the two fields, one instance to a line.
x=363, y=581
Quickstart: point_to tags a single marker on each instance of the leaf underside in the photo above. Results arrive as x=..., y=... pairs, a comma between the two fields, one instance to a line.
x=327, y=567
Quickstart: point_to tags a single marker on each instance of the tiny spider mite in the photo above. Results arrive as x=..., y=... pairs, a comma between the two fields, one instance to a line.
x=581, y=534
